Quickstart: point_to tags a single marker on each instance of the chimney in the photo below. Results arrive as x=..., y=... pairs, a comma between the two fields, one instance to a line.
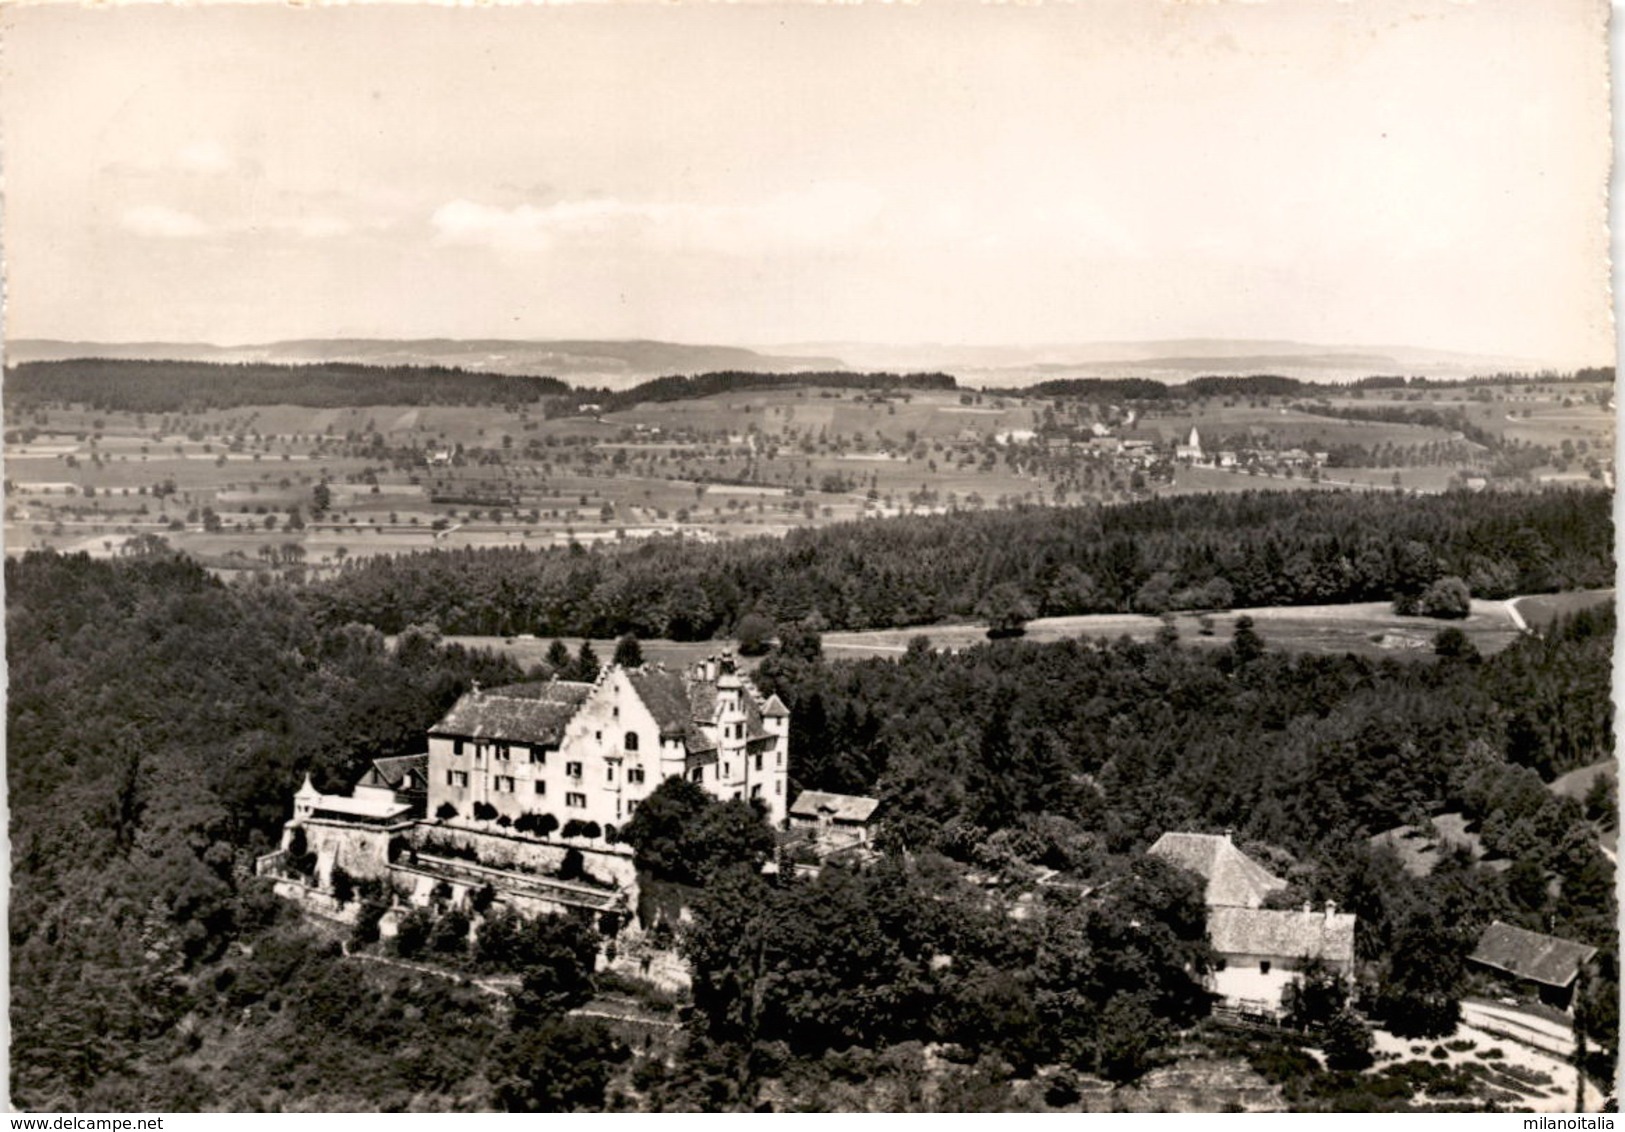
x=477, y=691
x=1229, y=831
x=1331, y=909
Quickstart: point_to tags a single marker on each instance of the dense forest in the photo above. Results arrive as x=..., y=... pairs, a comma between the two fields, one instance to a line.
x=189, y=387
x=159, y=386
x=683, y=388
x=158, y=719
x=1243, y=550
x=1119, y=389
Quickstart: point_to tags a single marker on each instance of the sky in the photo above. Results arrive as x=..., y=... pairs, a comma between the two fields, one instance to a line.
x=1370, y=172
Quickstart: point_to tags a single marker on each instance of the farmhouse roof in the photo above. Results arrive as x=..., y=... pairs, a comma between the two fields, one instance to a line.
x=1233, y=878
x=843, y=807
x=1544, y=959
x=1308, y=933
x=524, y=713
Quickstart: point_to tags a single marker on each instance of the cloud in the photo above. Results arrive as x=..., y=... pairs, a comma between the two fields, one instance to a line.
x=812, y=217
x=157, y=221
x=208, y=158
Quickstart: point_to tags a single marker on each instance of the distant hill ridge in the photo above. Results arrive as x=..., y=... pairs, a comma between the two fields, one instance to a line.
x=151, y=385
x=616, y=364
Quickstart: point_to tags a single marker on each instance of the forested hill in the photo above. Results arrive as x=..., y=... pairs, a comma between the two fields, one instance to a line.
x=167, y=386
x=1245, y=549
x=682, y=388
x=158, y=720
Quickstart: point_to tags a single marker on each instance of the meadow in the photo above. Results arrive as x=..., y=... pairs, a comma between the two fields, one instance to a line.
x=239, y=487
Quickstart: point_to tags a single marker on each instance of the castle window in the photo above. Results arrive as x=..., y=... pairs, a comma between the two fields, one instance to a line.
x=631, y=807
x=609, y=774
x=576, y=801
x=573, y=769
x=631, y=743
x=697, y=774
x=456, y=746
x=502, y=751
x=758, y=760
x=504, y=784
x=756, y=791
x=1263, y=966
x=457, y=778
x=541, y=787
x=778, y=786
x=538, y=756
x=635, y=774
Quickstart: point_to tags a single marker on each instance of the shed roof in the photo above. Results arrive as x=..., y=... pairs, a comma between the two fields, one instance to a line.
x=1286, y=935
x=1233, y=878
x=1545, y=959
x=523, y=713
x=844, y=807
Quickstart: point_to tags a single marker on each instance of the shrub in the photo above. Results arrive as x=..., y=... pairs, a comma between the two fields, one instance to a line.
x=573, y=867
x=412, y=935
x=366, y=924
x=446, y=811
x=1347, y=1043
x=343, y=886
x=450, y=933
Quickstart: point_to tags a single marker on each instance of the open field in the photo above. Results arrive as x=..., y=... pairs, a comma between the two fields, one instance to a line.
x=1540, y=610
x=1369, y=629
x=242, y=482
x=531, y=651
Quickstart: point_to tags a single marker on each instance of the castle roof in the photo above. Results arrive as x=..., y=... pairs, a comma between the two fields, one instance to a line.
x=397, y=773
x=524, y=713
x=1286, y=935
x=774, y=707
x=683, y=705
x=1233, y=878
x=1545, y=959
x=667, y=696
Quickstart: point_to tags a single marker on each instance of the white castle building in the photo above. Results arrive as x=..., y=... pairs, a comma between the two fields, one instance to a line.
x=592, y=752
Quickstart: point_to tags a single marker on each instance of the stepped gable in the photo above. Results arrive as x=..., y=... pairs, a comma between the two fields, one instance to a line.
x=1233, y=878
x=522, y=713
